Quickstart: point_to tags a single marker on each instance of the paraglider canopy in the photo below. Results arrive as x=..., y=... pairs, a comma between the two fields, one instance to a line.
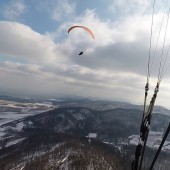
x=82, y=27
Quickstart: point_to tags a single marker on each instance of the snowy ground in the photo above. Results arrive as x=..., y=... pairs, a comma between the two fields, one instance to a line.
x=154, y=140
x=6, y=117
x=11, y=111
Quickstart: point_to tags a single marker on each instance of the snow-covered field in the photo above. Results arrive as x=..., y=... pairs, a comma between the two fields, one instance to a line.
x=6, y=117
x=11, y=111
x=154, y=140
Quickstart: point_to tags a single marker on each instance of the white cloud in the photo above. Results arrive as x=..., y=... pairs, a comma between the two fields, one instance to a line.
x=133, y=28
x=21, y=42
x=14, y=10
x=113, y=66
x=123, y=8
x=130, y=6
x=63, y=10
x=116, y=42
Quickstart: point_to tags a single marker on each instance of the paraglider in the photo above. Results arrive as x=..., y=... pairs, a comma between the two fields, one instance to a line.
x=82, y=27
x=81, y=53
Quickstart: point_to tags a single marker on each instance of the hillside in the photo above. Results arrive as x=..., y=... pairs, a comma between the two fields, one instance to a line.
x=48, y=151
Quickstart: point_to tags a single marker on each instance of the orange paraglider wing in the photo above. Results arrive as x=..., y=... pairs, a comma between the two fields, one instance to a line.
x=83, y=27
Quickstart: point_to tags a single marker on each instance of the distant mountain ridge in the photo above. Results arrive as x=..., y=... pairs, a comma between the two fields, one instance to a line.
x=85, y=102
x=106, y=105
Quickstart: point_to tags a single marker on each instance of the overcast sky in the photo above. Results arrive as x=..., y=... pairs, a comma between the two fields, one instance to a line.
x=39, y=57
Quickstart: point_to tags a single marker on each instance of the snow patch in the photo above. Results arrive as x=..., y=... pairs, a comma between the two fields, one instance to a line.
x=79, y=116
x=64, y=159
x=133, y=139
x=14, y=142
x=85, y=111
x=154, y=140
x=20, y=126
x=2, y=133
x=11, y=116
x=166, y=147
x=92, y=135
x=30, y=123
